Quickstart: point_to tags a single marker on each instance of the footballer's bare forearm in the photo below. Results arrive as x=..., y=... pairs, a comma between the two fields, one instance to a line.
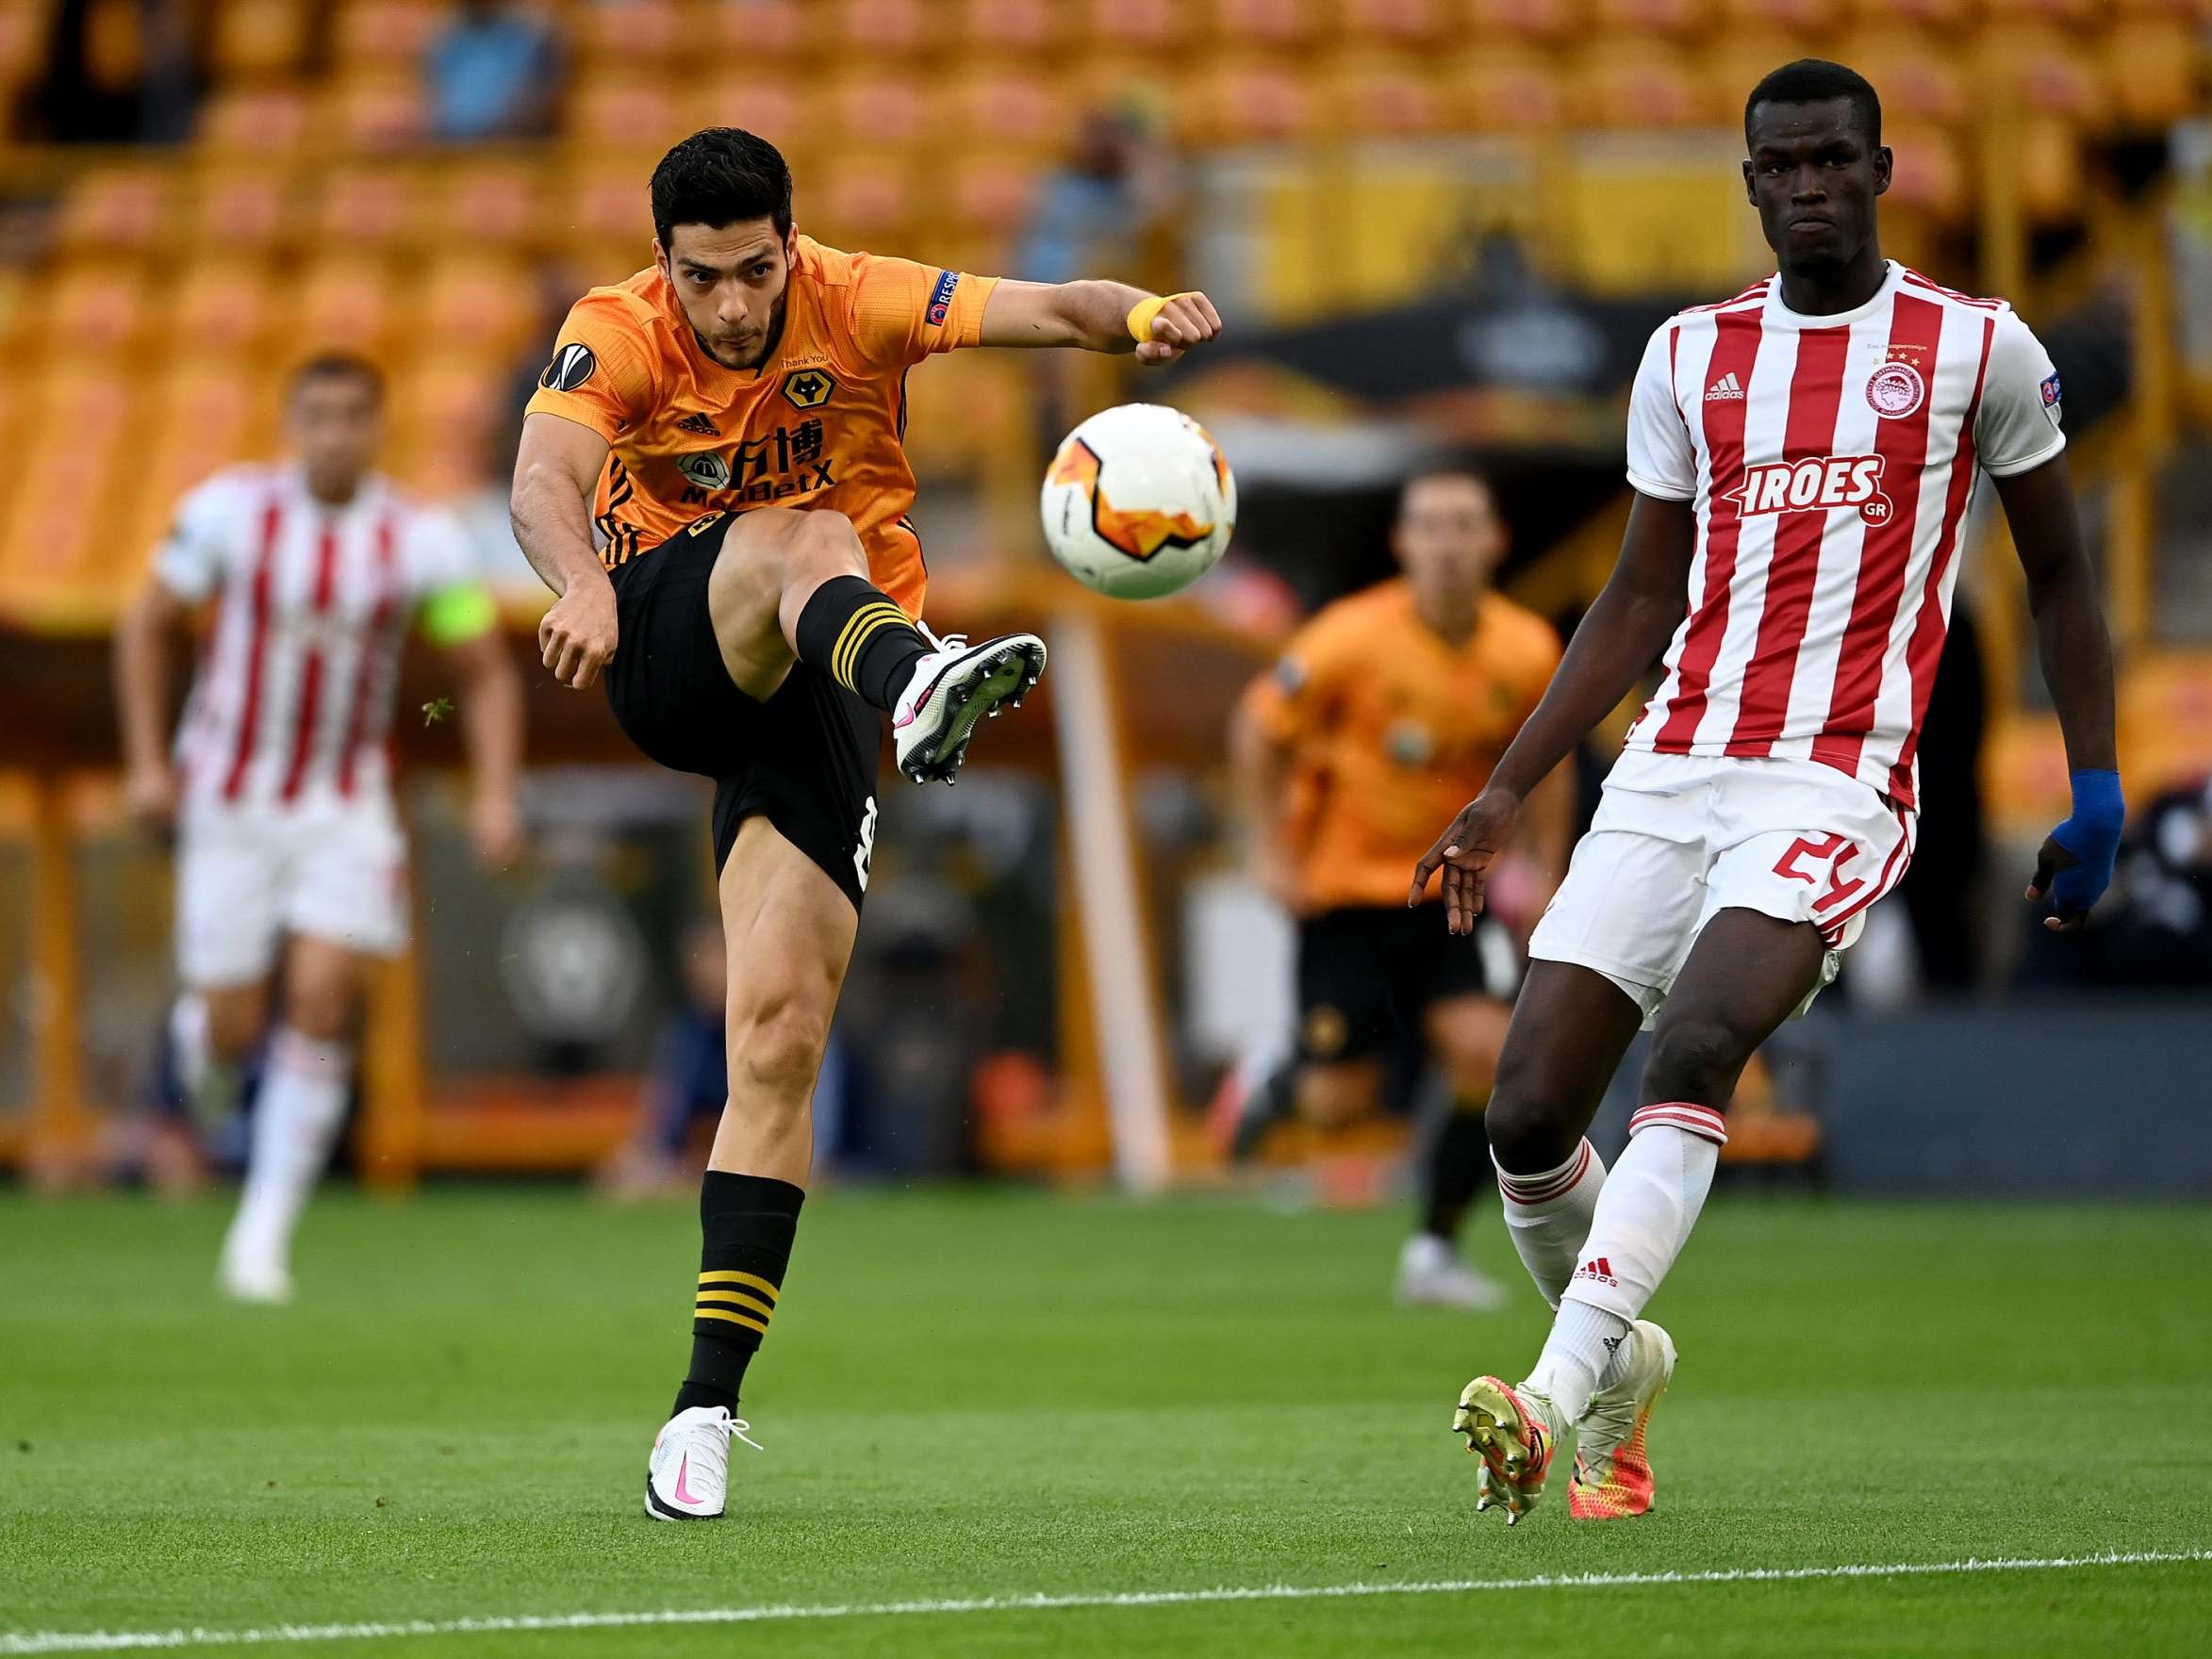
x=1628, y=626
x=1090, y=316
x=2072, y=643
x=141, y=674
x=491, y=714
x=553, y=526
x=1260, y=775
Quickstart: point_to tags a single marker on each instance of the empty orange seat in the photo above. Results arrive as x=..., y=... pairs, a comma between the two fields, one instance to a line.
x=1805, y=17
x=2150, y=65
x=1640, y=85
x=114, y=210
x=864, y=200
x=763, y=32
x=1136, y=26
x=231, y=208
x=1674, y=17
x=626, y=110
x=474, y=302
x=446, y=416
x=1919, y=77
x=1509, y=92
x=1510, y=21
x=1936, y=14
x=1007, y=104
x=894, y=31
x=992, y=193
x=62, y=526
x=1025, y=28
x=221, y=305
x=1403, y=23
x=628, y=33
x=1272, y=26
x=1736, y=60
x=357, y=207
x=258, y=38
x=385, y=34
x=606, y=202
x=374, y=112
x=98, y=307
x=1380, y=95
x=1246, y=101
x=345, y=303
x=260, y=120
x=495, y=202
x=880, y=106
x=1933, y=174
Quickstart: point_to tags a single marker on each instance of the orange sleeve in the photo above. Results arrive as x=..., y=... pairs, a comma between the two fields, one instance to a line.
x=1302, y=685
x=602, y=373
x=901, y=311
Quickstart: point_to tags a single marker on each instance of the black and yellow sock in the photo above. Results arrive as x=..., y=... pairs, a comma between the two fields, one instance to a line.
x=748, y=1222
x=1459, y=1164
x=853, y=632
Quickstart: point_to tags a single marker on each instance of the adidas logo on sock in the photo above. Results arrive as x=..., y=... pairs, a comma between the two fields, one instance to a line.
x=1722, y=389
x=1599, y=1271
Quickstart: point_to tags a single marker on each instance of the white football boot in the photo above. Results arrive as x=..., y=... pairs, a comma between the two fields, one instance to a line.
x=953, y=689
x=1431, y=1275
x=687, y=1477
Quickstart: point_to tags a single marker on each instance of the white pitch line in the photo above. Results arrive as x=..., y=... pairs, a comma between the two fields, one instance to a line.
x=104, y=1642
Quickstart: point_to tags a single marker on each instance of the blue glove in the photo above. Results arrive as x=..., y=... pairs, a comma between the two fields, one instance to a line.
x=2076, y=864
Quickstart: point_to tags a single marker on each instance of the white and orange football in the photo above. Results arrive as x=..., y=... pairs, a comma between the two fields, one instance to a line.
x=1139, y=501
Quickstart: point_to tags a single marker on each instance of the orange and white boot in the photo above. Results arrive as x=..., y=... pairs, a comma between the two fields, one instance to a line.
x=1612, y=1470
x=1511, y=1430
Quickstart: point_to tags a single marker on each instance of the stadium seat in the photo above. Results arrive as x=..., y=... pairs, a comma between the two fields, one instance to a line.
x=603, y=201
x=363, y=208
x=1944, y=15
x=97, y=305
x=1933, y=174
x=2065, y=14
x=346, y=303
x=476, y=301
x=2049, y=163
x=1673, y=19
x=1245, y=101
x=1027, y=28
x=1800, y=17
x=384, y=34
x=1919, y=76
x=51, y=548
x=880, y=105
x=885, y=31
x=992, y=192
x=209, y=411
x=2152, y=68
x=1135, y=26
x=754, y=31
x=1270, y=25
x=1736, y=60
x=22, y=302
x=1550, y=22
x=255, y=120
x=445, y=417
x=115, y=210
x=1641, y=83
x=783, y=110
x=1514, y=92
x=499, y=203
x=625, y=109
x=1403, y=25
x=372, y=113
x=236, y=208
x=257, y=38
x=864, y=199
x=632, y=34
x=2044, y=73
x=222, y=303
x=1011, y=105
x=1378, y=94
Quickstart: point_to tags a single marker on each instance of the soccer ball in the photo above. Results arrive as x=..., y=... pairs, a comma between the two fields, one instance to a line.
x=1139, y=502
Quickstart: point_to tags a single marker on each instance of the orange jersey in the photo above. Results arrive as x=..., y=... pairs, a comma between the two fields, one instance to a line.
x=819, y=424
x=1392, y=730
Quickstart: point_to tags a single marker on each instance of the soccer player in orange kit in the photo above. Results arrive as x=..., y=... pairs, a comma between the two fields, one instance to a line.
x=711, y=478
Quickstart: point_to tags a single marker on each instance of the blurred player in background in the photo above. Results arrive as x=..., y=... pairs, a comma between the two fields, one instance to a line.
x=289, y=850
x=1384, y=710
x=712, y=478
x=1803, y=456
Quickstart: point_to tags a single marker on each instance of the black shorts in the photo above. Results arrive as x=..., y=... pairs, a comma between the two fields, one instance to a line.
x=1367, y=975
x=805, y=760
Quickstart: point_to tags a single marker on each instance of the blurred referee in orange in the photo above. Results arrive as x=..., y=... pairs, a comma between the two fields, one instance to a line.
x=1387, y=706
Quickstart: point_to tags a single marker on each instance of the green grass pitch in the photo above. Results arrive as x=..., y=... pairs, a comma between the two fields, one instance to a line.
x=985, y=1394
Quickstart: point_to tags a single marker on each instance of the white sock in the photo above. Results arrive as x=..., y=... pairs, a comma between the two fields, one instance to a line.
x=1548, y=1216
x=296, y=1118
x=210, y=1085
x=1644, y=1213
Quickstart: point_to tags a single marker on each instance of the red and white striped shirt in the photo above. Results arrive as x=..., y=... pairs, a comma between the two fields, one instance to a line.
x=1831, y=461
x=293, y=696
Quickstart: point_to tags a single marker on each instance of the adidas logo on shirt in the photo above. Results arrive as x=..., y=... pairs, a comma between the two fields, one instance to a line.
x=1722, y=389
x=698, y=423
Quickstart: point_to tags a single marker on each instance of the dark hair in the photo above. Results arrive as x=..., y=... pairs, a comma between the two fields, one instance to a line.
x=720, y=175
x=1815, y=80
x=340, y=366
x=1461, y=470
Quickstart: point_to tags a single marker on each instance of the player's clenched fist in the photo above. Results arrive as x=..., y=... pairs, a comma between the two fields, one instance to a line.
x=577, y=637
x=1181, y=321
x=1464, y=852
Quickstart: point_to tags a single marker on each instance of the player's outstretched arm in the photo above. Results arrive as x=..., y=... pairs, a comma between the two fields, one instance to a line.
x=144, y=636
x=2075, y=863
x=1098, y=317
x=556, y=474
x=1628, y=626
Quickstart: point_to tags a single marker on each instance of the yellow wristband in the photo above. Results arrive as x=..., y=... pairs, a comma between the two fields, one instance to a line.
x=1142, y=312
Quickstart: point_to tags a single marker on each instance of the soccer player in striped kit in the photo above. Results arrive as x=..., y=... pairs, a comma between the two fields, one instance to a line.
x=279, y=790
x=1803, y=456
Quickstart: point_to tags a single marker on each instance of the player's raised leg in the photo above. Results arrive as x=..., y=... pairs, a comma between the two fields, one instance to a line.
x=1569, y=1029
x=297, y=1115
x=789, y=930
x=793, y=585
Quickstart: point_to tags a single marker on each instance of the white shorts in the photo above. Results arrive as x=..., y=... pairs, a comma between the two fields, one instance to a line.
x=1677, y=840
x=244, y=879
